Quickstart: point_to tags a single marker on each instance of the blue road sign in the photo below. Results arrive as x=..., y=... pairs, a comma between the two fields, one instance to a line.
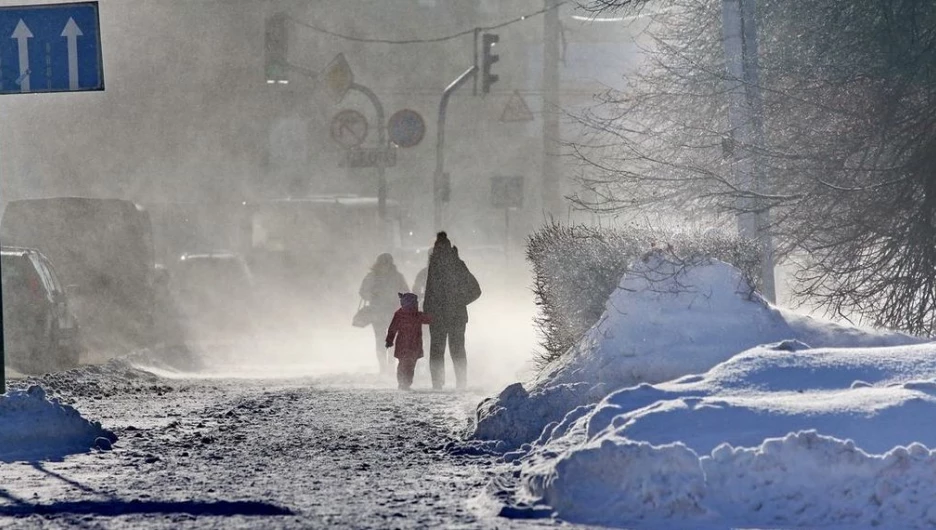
x=50, y=48
x=406, y=128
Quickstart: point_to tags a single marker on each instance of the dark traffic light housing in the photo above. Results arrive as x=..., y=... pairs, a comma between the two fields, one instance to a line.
x=277, y=44
x=488, y=41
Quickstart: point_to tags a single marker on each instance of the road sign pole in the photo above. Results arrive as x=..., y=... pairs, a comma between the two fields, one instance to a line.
x=440, y=147
x=340, y=79
x=381, y=165
x=381, y=143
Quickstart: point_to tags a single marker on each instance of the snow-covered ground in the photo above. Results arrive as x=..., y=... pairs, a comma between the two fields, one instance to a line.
x=289, y=431
x=336, y=451
x=778, y=435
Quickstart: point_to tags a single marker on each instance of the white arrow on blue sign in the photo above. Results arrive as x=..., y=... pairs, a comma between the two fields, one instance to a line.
x=50, y=48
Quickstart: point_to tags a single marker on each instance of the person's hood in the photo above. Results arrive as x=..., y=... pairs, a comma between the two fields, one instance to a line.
x=409, y=301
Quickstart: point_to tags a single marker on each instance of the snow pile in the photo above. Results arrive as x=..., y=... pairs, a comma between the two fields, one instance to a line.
x=663, y=321
x=870, y=395
x=515, y=416
x=618, y=481
x=801, y=480
x=778, y=435
x=805, y=479
x=36, y=427
x=96, y=381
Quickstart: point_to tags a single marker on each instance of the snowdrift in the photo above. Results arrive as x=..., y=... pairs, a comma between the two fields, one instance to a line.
x=694, y=402
x=663, y=321
x=771, y=437
x=35, y=427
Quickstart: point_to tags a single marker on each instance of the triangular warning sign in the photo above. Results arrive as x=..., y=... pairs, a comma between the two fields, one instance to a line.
x=516, y=109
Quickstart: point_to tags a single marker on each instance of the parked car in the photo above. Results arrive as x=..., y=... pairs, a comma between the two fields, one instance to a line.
x=103, y=251
x=40, y=332
x=214, y=295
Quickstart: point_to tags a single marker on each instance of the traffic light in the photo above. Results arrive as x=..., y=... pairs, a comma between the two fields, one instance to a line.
x=277, y=44
x=488, y=41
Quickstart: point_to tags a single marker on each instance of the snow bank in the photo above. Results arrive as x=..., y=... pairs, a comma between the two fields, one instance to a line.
x=515, y=417
x=778, y=435
x=662, y=322
x=618, y=481
x=805, y=479
x=36, y=427
x=870, y=395
x=801, y=480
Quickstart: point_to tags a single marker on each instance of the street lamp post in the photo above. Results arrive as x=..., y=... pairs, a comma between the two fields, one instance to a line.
x=438, y=177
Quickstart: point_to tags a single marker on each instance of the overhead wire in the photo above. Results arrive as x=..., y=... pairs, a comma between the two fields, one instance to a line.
x=442, y=38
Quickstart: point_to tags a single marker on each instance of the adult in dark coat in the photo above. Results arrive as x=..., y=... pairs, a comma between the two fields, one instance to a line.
x=450, y=287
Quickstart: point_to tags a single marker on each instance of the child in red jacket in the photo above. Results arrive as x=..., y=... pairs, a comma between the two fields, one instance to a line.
x=406, y=330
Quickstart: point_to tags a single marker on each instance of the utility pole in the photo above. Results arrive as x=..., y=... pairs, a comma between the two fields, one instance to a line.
x=550, y=192
x=746, y=117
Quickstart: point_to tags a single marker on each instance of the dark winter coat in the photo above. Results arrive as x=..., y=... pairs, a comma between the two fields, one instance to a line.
x=450, y=287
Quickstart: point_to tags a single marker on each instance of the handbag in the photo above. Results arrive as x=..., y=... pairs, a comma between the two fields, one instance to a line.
x=364, y=316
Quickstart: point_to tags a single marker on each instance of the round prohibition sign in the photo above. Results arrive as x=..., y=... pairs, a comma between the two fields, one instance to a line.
x=406, y=128
x=349, y=128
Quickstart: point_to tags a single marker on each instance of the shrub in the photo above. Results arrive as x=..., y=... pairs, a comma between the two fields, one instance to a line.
x=576, y=268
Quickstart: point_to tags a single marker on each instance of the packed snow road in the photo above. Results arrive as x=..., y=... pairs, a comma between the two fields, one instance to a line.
x=334, y=451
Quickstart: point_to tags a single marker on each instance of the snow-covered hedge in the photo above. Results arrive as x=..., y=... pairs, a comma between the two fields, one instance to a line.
x=664, y=320
x=577, y=267
x=719, y=410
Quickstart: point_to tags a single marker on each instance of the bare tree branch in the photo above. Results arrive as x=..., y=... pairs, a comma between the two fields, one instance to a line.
x=849, y=89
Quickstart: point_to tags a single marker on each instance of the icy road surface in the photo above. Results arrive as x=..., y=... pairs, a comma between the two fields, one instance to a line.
x=330, y=452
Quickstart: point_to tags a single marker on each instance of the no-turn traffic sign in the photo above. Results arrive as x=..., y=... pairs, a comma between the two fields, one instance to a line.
x=349, y=128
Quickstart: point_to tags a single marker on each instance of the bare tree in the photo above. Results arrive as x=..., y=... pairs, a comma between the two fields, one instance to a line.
x=850, y=110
